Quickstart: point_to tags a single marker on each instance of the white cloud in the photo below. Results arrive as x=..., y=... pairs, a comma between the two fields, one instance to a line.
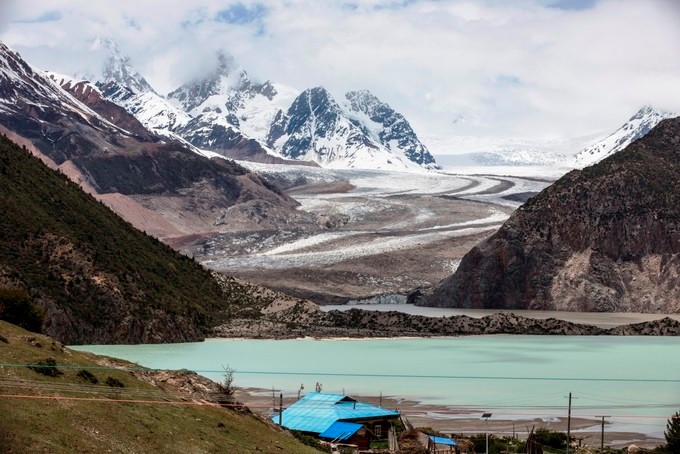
x=510, y=68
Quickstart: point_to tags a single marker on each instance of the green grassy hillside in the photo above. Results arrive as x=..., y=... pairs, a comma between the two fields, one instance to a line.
x=65, y=426
x=97, y=278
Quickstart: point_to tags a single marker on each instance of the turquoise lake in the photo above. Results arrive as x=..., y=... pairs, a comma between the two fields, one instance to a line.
x=634, y=379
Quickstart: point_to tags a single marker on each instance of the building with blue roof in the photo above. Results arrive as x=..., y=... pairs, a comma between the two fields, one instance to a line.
x=433, y=441
x=336, y=417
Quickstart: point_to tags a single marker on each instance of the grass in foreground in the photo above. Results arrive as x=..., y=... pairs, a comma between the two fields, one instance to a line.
x=49, y=425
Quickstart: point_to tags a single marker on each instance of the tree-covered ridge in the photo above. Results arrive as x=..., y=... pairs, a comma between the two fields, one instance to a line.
x=97, y=278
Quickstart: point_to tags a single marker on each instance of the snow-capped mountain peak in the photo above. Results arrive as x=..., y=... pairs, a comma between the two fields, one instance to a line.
x=220, y=81
x=25, y=88
x=315, y=127
x=255, y=106
x=226, y=97
x=393, y=130
x=636, y=127
x=118, y=67
x=362, y=132
x=227, y=112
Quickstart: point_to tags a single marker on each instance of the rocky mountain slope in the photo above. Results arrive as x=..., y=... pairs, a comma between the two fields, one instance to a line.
x=93, y=98
x=636, y=127
x=97, y=278
x=163, y=185
x=606, y=238
x=35, y=107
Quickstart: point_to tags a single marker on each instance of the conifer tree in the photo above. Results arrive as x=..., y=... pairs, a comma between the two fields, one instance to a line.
x=673, y=433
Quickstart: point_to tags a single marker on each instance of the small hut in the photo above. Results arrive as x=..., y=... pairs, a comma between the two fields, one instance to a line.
x=441, y=445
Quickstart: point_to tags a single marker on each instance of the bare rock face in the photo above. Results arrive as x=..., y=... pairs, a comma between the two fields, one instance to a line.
x=89, y=95
x=606, y=238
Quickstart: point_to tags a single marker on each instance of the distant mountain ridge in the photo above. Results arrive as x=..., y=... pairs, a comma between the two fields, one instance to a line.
x=226, y=112
x=557, y=154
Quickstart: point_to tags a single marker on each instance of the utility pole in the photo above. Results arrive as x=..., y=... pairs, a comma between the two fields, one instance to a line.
x=602, y=433
x=569, y=424
x=281, y=409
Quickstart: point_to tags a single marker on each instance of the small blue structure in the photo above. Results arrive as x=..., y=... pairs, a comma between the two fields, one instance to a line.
x=337, y=417
x=433, y=442
x=442, y=441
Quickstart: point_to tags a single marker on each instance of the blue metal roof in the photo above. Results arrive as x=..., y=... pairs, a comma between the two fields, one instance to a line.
x=341, y=430
x=442, y=440
x=317, y=412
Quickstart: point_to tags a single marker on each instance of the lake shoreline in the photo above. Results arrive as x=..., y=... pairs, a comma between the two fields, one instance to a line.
x=446, y=382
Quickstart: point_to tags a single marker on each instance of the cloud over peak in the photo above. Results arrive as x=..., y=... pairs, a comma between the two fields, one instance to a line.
x=532, y=67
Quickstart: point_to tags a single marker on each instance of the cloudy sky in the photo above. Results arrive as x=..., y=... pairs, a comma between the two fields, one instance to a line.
x=493, y=68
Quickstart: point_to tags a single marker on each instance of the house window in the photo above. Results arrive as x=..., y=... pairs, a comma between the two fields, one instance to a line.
x=378, y=431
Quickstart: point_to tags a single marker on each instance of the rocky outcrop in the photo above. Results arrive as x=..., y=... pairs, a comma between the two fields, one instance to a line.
x=663, y=327
x=606, y=238
x=294, y=319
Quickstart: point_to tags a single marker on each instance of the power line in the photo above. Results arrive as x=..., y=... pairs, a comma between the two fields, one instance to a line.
x=608, y=398
x=363, y=375
x=136, y=392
